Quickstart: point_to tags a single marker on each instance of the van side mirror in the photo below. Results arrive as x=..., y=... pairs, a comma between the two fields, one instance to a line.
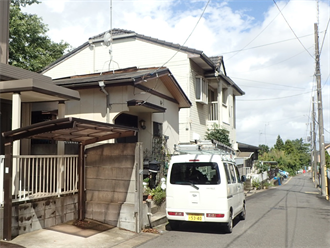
x=243, y=178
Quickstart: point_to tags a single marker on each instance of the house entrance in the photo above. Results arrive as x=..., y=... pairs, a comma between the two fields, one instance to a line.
x=129, y=121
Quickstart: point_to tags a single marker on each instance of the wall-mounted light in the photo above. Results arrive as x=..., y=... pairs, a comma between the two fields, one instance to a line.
x=143, y=124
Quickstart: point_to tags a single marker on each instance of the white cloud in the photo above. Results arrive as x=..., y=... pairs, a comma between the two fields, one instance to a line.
x=272, y=63
x=56, y=6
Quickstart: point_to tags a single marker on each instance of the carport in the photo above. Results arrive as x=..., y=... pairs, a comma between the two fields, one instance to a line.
x=81, y=131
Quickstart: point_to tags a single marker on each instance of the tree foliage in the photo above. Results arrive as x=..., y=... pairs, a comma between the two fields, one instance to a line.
x=29, y=46
x=218, y=134
x=279, y=143
x=327, y=160
x=263, y=149
x=24, y=2
x=290, y=156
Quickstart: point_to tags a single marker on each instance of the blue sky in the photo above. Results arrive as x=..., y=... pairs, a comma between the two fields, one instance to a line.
x=254, y=8
x=262, y=53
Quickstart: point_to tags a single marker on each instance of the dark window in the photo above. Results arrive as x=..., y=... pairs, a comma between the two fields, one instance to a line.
x=196, y=173
x=238, y=175
x=157, y=129
x=41, y=116
x=227, y=173
x=232, y=173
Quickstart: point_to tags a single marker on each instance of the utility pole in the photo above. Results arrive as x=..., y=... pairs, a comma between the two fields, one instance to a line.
x=314, y=153
x=324, y=186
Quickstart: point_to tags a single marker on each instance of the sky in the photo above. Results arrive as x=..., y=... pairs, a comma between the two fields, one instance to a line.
x=268, y=48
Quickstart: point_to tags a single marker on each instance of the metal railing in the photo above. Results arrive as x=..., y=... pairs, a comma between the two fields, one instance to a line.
x=213, y=111
x=39, y=176
x=246, y=171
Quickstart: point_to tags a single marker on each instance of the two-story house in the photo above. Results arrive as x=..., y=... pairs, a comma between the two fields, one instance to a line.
x=203, y=79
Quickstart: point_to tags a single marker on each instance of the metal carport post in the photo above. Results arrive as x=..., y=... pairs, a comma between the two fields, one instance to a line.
x=84, y=132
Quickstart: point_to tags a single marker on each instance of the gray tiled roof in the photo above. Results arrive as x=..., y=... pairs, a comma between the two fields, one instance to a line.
x=121, y=33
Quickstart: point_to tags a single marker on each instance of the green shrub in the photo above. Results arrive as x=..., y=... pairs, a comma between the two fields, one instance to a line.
x=256, y=184
x=267, y=184
x=158, y=195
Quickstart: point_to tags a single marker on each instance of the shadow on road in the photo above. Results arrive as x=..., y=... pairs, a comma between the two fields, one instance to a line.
x=202, y=227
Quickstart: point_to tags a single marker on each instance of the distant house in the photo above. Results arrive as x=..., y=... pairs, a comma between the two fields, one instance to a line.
x=203, y=79
x=247, y=154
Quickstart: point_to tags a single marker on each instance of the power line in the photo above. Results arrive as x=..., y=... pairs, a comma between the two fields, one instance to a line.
x=269, y=44
x=269, y=83
x=279, y=61
x=292, y=29
x=325, y=34
x=257, y=35
x=270, y=99
x=186, y=39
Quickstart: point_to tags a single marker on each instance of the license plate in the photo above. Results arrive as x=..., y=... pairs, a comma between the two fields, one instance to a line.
x=195, y=217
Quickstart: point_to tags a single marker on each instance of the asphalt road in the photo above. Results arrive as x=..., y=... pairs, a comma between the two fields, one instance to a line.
x=293, y=215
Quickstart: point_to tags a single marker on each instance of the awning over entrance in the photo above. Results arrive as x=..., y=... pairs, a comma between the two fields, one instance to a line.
x=82, y=131
x=143, y=106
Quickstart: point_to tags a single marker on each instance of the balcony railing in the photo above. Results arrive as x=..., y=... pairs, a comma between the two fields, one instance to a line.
x=213, y=111
x=42, y=176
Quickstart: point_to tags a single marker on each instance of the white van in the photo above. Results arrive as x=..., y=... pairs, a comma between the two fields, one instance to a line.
x=204, y=185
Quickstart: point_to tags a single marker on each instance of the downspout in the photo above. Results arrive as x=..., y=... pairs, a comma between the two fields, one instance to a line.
x=102, y=86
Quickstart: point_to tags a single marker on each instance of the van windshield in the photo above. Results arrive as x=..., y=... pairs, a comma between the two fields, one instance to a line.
x=195, y=173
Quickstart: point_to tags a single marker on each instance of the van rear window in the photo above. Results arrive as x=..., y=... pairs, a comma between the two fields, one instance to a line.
x=196, y=173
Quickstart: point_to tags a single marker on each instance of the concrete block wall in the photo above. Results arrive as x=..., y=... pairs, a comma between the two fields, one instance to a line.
x=32, y=216
x=111, y=185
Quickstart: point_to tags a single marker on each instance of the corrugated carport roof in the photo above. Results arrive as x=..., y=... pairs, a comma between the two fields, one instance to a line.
x=71, y=129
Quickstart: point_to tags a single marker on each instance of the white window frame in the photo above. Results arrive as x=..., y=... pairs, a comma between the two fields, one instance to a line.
x=201, y=90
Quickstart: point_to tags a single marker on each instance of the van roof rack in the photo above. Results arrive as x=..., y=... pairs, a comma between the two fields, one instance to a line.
x=204, y=147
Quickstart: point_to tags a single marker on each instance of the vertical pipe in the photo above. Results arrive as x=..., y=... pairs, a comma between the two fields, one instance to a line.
x=8, y=170
x=81, y=184
x=16, y=123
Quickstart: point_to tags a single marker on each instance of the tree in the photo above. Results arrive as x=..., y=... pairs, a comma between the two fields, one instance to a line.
x=290, y=156
x=288, y=147
x=327, y=159
x=218, y=134
x=263, y=149
x=279, y=145
x=29, y=46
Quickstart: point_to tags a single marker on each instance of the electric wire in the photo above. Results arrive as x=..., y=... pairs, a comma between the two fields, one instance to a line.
x=325, y=34
x=261, y=68
x=269, y=83
x=270, y=99
x=181, y=46
x=292, y=29
x=269, y=44
x=257, y=34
